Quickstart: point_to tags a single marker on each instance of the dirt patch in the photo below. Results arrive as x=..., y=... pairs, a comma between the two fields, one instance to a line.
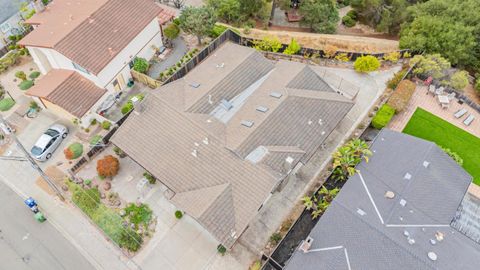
x=320, y=41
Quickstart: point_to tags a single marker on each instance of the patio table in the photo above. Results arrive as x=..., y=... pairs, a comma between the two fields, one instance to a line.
x=443, y=99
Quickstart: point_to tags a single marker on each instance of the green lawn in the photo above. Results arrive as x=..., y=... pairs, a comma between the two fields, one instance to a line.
x=430, y=127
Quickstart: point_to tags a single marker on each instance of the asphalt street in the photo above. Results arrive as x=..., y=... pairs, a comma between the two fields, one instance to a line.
x=27, y=244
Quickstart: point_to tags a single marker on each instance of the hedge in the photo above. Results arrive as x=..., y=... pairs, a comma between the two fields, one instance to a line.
x=402, y=95
x=393, y=82
x=25, y=85
x=383, y=116
x=348, y=21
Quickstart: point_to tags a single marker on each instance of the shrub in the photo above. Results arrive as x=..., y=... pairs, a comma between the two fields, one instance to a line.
x=348, y=21
x=106, y=125
x=393, y=82
x=178, y=214
x=221, y=249
x=119, y=152
x=21, y=75
x=392, y=57
x=292, y=48
x=151, y=179
x=477, y=86
x=383, y=116
x=366, y=64
x=95, y=139
x=130, y=240
x=127, y=107
x=140, y=65
x=34, y=75
x=93, y=122
x=86, y=199
x=6, y=104
x=171, y=31
x=459, y=80
x=453, y=155
x=343, y=57
x=275, y=238
x=108, y=166
x=430, y=65
x=88, y=182
x=268, y=44
x=137, y=215
x=25, y=85
x=73, y=151
x=257, y=265
x=34, y=106
x=217, y=30
x=352, y=14
x=401, y=96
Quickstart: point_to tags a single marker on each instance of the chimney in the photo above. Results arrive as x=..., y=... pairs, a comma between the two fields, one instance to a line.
x=38, y=6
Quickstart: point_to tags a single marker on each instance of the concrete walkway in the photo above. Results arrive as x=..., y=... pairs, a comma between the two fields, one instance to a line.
x=178, y=51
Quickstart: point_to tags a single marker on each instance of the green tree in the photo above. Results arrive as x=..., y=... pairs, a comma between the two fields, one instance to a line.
x=140, y=64
x=448, y=27
x=226, y=10
x=430, y=65
x=383, y=15
x=366, y=64
x=171, y=31
x=459, y=80
x=292, y=48
x=251, y=8
x=197, y=21
x=320, y=15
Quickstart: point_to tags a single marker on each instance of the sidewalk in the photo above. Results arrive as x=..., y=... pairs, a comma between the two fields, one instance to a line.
x=65, y=217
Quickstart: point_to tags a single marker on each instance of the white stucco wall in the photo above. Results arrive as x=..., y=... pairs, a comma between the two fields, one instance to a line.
x=141, y=46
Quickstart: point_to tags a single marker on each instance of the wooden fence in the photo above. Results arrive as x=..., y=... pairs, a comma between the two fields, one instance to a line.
x=145, y=79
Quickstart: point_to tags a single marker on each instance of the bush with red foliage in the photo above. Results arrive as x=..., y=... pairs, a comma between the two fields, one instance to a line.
x=108, y=166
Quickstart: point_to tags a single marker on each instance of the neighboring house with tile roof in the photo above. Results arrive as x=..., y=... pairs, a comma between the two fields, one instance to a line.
x=10, y=20
x=395, y=213
x=97, y=39
x=224, y=136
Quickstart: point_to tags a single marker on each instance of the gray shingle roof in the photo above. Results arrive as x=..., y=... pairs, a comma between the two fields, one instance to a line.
x=309, y=80
x=202, y=159
x=376, y=240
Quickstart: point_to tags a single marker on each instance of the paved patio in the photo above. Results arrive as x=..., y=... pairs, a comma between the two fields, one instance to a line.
x=431, y=104
x=178, y=51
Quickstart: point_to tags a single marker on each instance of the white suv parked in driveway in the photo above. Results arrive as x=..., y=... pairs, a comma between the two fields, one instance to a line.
x=48, y=142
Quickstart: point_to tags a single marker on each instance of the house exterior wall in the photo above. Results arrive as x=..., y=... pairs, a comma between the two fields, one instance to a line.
x=57, y=110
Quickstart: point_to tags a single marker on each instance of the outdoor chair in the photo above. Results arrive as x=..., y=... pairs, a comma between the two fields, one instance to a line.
x=431, y=89
x=460, y=113
x=439, y=91
x=469, y=120
x=451, y=96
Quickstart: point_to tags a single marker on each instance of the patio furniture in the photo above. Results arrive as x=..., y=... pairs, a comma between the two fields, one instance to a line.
x=439, y=91
x=444, y=101
x=451, y=96
x=460, y=113
x=469, y=120
x=431, y=89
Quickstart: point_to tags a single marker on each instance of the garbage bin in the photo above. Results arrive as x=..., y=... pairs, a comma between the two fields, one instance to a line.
x=40, y=217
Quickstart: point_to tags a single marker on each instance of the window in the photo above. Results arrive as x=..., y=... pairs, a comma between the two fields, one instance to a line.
x=78, y=67
x=5, y=27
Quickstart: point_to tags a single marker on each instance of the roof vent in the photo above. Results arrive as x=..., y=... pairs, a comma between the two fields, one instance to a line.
x=389, y=195
x=194, y=84
x=323, y=132
x=426, y=163
x=276, y=94
x=309, y=122
x=433, y=242
x=320, y=121
x=220, y=65
x=439, y=236
x=361, y=212
x=205, y=141
x=210, y=101
x=262, y=109
x=194, y=153
x=247, y=123
x=411, y=241
x=406, y=233
x=306, y=244
x=403, y=202
x=432, y=256
x=226, y=104
x=289, y=159
x=408, y=176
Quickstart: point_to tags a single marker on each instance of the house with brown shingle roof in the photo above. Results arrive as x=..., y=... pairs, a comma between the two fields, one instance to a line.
x=85, y=48
x=224, y=136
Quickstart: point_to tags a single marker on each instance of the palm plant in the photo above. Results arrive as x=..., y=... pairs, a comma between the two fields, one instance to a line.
x=320, y=202
x=347, y=157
